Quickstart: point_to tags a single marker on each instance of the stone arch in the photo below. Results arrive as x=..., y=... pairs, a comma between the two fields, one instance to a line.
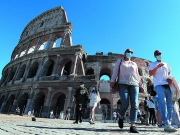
x=32, y=46
x=48, y=68
x=84, y=57
x=24, y=48
x=106, y=104
x=15, y=54
x=33, y=70
x=5, y=73
x=90, y=71
x=105, y=71
x=146, y=63
x=9, y=104
x=44, y=43
x=21, y=72
x=140, y=71
x=2, y=100
x=58, y=103
x=66, y=68
x=57, y=40
x=22, y=101
x=12, y=74
x=38, y=103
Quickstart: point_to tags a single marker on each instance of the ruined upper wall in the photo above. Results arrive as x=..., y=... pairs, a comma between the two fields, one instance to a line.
x=48, y=20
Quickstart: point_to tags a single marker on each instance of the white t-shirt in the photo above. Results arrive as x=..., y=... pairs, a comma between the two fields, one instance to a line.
x=161, y=75
x=114, y=114
x=150, y=104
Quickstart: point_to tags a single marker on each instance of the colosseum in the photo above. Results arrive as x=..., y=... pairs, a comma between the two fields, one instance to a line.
x=45, y=70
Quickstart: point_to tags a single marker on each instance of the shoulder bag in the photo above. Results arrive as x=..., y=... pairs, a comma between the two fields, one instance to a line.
x=116, y=83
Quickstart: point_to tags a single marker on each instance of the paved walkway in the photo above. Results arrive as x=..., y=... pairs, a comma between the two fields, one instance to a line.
x=22, y=125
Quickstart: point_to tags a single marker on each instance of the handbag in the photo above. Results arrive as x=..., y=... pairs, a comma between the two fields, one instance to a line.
x=116, y=83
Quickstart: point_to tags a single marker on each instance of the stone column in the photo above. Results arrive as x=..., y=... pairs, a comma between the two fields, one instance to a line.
x=75, y=63
x=9, y=72
x=69, y=100
x=48, y=96
x=54, y=73
x=37, y=45
x=47, y=102
x=17, y=71
x=2, y=106
x=31, y=106
x=50, y=42
x=67, y=40
x=20, y=50
x=39, y=70
x=28, y=47
x=27, y=69
x=14, y=105
x=27, y=106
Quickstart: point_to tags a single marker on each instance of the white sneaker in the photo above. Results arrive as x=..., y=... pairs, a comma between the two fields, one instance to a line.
x=175, y=126
x=169, y=128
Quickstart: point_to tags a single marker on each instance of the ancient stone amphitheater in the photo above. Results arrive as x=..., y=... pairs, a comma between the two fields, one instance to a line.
x=46, y=68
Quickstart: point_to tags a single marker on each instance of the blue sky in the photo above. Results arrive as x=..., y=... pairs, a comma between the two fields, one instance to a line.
x=103, y=26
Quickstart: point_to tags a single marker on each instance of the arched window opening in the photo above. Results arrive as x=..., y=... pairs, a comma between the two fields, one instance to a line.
x=21, y=72
x=57, y=42
x=23, y=51
x=32, y=47
x=140, y=71
x=48, y=67
x=149, y=86
x=43, y=46
x=84, y=58
x=12, y=74
x=105, y=77
x=105, y=73
x=22, y=102
x=42, y=23
x=67, y=68
x=9, y=104
x=2, y=100
x=146, y=63
x=60, y=104
x=33, y=70
x=4, y=76
x=106, y=107
x=38, y=104
x=90, y=72
x=16, y=54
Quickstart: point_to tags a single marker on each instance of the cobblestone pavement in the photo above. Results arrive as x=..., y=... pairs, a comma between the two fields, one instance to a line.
x=21, y=125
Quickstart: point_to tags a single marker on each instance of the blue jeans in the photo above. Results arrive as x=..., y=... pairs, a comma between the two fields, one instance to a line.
x=165, y=103
x=155, y=99
x=127, y=92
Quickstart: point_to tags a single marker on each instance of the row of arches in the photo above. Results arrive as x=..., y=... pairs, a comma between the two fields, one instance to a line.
x=57, y=104
x=47, y=70
x=38, y=44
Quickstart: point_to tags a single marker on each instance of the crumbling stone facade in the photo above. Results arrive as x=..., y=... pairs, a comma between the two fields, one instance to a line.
x=46, y=68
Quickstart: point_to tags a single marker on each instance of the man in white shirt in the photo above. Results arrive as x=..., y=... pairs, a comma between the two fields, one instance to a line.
x=160, y=72
x=114, y=116
x=151, y=105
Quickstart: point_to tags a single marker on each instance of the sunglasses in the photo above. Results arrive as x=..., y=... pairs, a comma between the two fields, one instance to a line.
x=129, y=52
